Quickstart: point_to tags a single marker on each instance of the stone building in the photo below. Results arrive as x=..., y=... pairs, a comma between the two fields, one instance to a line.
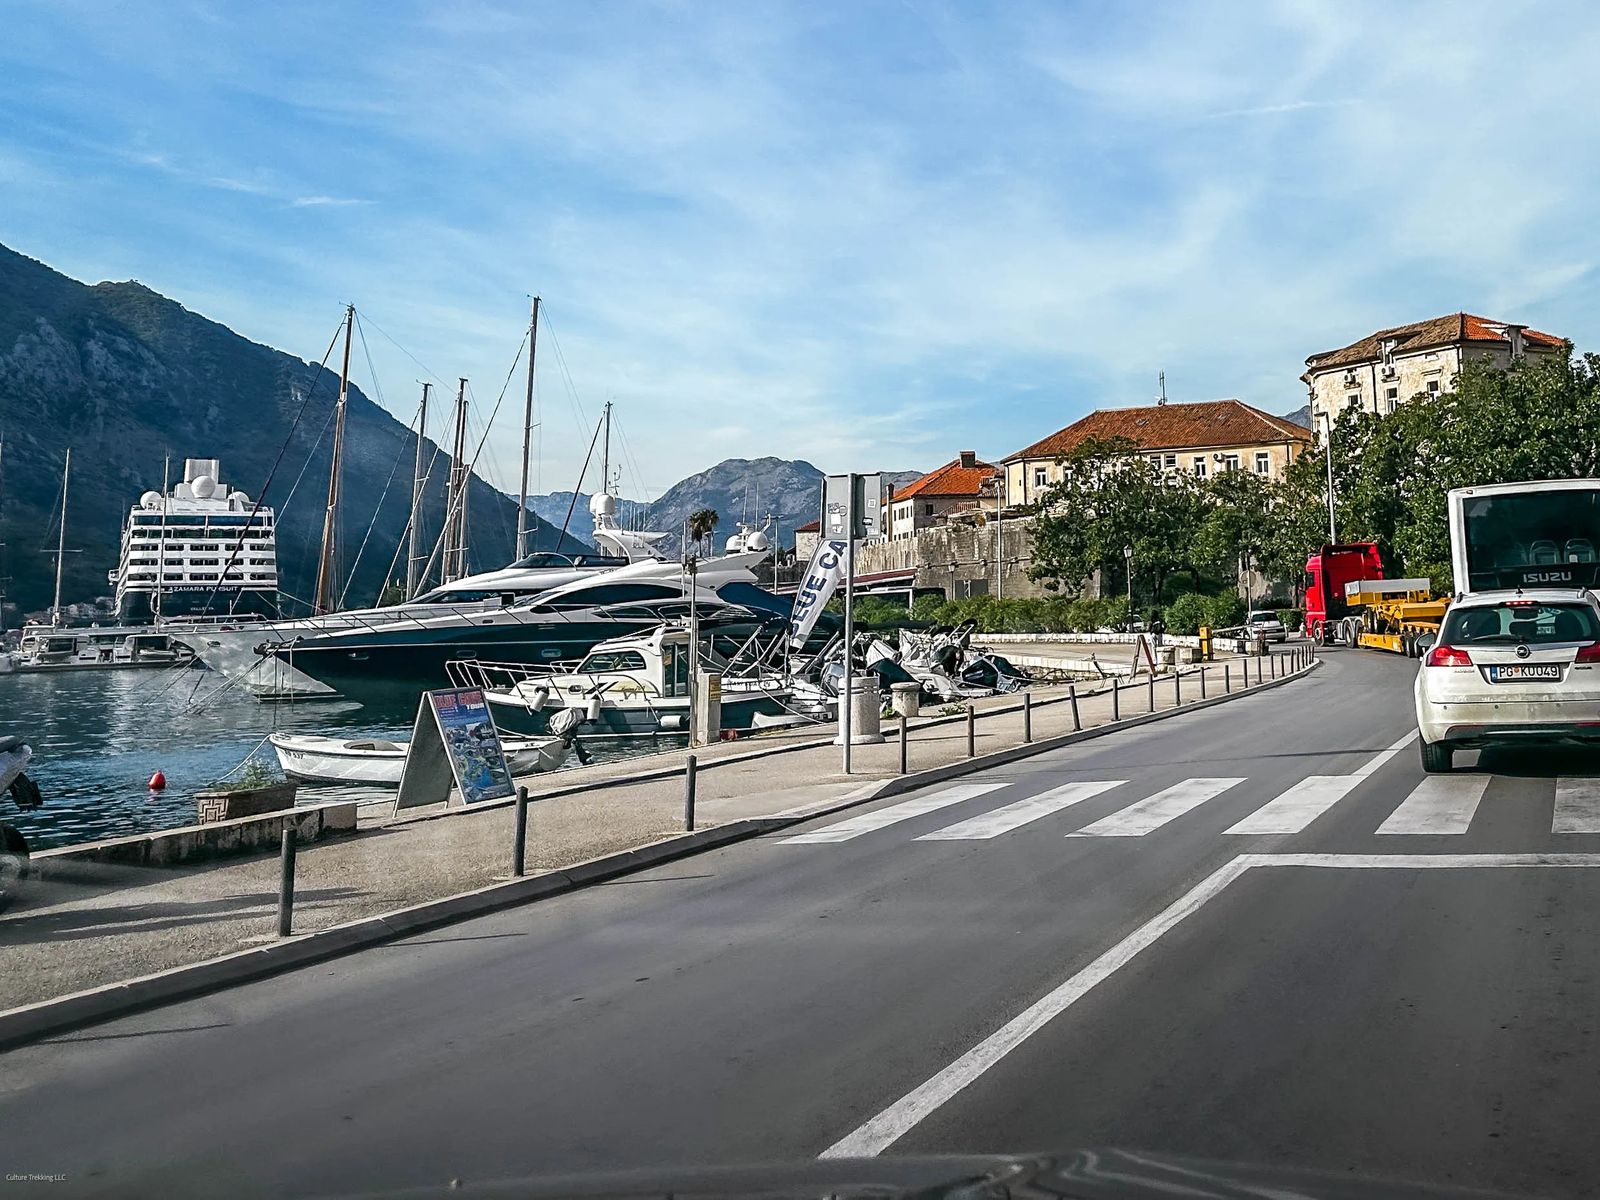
x=1200, y=438
x=805, y=540
x=1386, y=368
x=959, y=485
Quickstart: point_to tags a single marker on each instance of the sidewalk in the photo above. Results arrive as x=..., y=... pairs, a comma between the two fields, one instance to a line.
x=65, y=936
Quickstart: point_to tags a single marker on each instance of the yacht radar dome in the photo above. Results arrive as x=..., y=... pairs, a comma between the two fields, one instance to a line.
x=150, y=500
x=203, y=486
x=603, y=504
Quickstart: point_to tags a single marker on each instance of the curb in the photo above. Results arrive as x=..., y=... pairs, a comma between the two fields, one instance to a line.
x=31, y=1022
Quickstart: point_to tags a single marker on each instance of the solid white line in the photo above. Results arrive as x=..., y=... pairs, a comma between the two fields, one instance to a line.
x=1299, y=805
x=1377, y=760
x=1577, y=806
x=1410, y=861
x=1014, y=816
x=1439, y=804
x=1155, y=811
x=883, y=1130
x=892, y=815
x=893, y=1123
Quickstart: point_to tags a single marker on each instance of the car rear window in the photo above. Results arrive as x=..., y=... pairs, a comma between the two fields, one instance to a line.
x=1520, y=621
x=1262, y=616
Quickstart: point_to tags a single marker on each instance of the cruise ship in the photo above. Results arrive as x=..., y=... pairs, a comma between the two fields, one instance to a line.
x=205, y=550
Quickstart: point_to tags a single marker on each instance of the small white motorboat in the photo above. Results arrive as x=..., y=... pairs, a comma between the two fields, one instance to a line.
x=377, y=760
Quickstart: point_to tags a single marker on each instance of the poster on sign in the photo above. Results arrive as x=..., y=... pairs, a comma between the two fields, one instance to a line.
x=454, y=741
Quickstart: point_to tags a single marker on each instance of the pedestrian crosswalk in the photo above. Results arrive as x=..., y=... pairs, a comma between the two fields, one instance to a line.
x=1438, y=805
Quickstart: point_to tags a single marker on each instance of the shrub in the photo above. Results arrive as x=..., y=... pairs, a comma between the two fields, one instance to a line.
x=1292, y=618
x=1187, y=613
x=926, y=608
x=1224, y=610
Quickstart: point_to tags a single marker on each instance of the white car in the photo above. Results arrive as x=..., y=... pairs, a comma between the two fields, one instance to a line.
x=1265, y=622
x=1511, y=667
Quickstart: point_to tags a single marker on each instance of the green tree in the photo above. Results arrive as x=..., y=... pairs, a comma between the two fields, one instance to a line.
x=1111, y=497
x=702, y=522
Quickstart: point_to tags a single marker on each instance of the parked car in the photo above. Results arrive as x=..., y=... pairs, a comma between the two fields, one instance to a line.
x=1510, y=667
x=1265, y=622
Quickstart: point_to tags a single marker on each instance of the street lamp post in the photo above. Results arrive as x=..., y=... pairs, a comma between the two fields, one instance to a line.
x=1127, y=554
x=1327, y=450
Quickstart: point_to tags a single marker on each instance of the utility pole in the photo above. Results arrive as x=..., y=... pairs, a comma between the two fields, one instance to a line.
x=329, y=518
x=414, y=552
x=527, y=433
x=847, y=698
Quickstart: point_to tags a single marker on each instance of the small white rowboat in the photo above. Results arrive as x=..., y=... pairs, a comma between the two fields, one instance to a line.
x=377, y=760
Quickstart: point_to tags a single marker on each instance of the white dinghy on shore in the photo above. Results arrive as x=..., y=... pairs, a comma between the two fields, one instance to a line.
x=322, y=759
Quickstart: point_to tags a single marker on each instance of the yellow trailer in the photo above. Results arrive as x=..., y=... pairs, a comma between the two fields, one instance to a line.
x=1391, y=614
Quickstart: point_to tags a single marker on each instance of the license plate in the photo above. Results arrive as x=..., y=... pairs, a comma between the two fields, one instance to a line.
x=1519, y=672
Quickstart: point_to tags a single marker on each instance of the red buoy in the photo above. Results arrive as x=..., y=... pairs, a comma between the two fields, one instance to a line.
x=158, y=782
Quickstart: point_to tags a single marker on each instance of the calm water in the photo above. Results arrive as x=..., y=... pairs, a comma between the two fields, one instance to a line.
x=97, y=737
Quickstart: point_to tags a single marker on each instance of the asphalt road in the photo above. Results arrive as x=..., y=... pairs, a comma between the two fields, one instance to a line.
x=1252, y=933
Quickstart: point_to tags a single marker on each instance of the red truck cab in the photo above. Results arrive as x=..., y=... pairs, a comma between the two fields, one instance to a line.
x=1327, y=571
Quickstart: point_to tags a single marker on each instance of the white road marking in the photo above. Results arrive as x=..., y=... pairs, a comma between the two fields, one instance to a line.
x=1299, y=805
x=1577, y=806
x=889, y=1126
x=1014, y=816
x=892, y=815
x=1155, y=811
x=883, y=1130
x=1439, y=804
x=1377, y=760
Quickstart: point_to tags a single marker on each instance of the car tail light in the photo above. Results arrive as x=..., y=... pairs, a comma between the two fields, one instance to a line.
x=1589, y=653
x=1448, y=656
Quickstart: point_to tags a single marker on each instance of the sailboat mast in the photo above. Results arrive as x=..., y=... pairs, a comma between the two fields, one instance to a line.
x=605, y=454
x=456, y=543
x=414, y=552
x=527, y=433
x=61, y=539
x=325, y=561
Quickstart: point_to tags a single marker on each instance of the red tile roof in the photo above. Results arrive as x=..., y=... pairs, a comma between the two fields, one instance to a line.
x=1419, y=335
x=1195, y=426
x=809, y=527
x=952, y=479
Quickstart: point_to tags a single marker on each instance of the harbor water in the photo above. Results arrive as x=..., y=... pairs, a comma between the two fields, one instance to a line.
x=98, y=736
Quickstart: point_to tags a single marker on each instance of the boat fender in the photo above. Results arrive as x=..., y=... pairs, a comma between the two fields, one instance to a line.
x=670, y=721
x=158, y=782
x=593, y=710
x=537, y=701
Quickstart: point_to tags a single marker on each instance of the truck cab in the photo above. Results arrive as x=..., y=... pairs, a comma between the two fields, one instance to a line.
x=1327, y=573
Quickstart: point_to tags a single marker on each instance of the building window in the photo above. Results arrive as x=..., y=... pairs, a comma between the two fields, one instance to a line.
x=1041, y=476
x=1230, y=462
x=1263, y=463
x=1353, y=400
x=1391, y=397
x=1433, y=387
x=1170, y=462
x=927, y=510
x=1199, y=466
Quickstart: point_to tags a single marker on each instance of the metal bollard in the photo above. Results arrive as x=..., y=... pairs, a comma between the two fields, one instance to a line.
x=1152, y=691
x=1202, y=681
x=519, y=841
x=903, y=743
x=1177, y=687
x=688, y=792
x=1116, y=693
x=972, y=733
x=286, y=878
x=1227, y=678
x=1027, y=717
x=1072, y=695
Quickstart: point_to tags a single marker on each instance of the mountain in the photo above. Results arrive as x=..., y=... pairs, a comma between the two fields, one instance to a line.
x=126, y=376
x=1300, y=416
x=737, y=488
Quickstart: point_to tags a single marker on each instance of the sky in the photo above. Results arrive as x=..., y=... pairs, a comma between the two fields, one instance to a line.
x=868, y=234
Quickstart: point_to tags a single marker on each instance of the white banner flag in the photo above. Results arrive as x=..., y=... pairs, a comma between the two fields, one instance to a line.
x=816, y=589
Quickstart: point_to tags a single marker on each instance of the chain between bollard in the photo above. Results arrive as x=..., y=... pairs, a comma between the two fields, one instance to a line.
x=688, y=792
x=286, y=878
x=519, y=840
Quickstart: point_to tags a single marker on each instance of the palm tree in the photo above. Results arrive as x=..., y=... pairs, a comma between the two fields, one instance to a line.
x=702, y=521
